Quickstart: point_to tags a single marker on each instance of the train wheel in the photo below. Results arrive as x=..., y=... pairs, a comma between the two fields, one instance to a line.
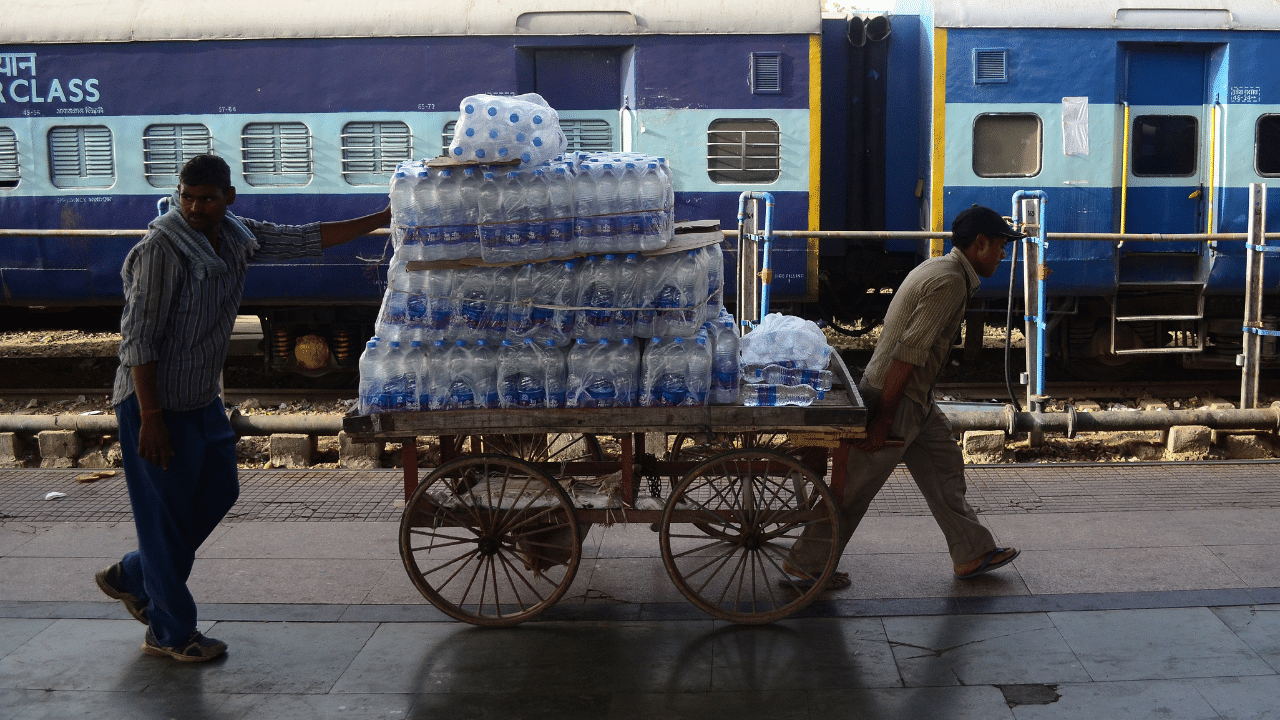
x=490, y=540
x=756, y=503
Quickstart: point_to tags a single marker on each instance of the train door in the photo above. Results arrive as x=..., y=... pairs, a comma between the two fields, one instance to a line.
x=585, y=86
x=1168, y=132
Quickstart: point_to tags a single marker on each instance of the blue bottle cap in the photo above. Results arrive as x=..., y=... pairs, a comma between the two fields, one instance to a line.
x=480, y=152
x=537, y=119
x=519, y=137
x=502, y=152
x=493, y=112
x=537, y=142
x=515, y=118
x=469, y=109
x=415, y=343
x=525, y=157
x=457, y=151
x=471, y=132
x=493, y=134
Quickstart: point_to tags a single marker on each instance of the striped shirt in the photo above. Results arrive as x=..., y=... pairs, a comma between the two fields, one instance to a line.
x=922, y=321
x=184, y=323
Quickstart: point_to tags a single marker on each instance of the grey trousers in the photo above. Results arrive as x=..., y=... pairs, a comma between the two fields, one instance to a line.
x=936, y=464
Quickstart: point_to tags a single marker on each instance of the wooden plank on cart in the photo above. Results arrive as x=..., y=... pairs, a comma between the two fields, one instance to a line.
x=833, y=413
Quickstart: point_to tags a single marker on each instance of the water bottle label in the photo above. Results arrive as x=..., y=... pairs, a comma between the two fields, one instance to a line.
x=583, y=228
x=630, y=224
x=540, y=316
x=559, y=231
x=605, y=226
x=431, y=235
x=451, y=235
x=490, y=235
x=512, y=235
x=537, y=234
x=460, y=396
x=473, y=314
x=725, y=378
x=439, y=319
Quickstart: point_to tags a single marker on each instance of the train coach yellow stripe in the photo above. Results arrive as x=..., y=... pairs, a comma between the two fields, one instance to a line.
x=815, y=164
x=939, y=137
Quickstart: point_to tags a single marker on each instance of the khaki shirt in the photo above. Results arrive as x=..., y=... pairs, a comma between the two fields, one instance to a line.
x=922, y=320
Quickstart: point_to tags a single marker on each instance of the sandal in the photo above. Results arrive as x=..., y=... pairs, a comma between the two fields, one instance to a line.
x=800, y=580
x=987, y=565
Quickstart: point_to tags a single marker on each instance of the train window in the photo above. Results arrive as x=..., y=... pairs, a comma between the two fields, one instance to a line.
x=1164, y=146
x=372, y=150
x=587, y=135
x=446, y=137
x=1007, y=145
x=276, y=153
x=10, y=171
x=81, y=156
x=1267, y=146
x=744, y=151
x=166, y=148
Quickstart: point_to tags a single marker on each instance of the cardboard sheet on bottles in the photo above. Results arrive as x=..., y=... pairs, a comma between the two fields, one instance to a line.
x=446, y=161
x=689, y=235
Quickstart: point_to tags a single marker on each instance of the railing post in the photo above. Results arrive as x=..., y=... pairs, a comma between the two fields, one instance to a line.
x=1249, y=359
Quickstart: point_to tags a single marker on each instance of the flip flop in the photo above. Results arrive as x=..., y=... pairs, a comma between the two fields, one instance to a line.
x=987, y=566
x=798, y=580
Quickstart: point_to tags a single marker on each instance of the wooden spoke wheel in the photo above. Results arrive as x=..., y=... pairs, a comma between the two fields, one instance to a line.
x=490, y=540
x=533, y=447
x=731, y=522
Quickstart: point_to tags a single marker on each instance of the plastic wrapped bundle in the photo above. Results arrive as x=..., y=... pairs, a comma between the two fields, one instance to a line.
x=787, y=341
x=495, y=128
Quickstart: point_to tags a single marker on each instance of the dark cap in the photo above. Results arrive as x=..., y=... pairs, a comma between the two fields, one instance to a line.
x=979, y=220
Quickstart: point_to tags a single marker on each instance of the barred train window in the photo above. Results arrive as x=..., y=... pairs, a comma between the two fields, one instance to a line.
x=276, y=154
x=587, y=135
x=372, y=150
x=1267, y=146
x=81, y=157
x=166, y=148
x=744, y=151
x=10, y=171
x=1164, y=145
x=1007, y=145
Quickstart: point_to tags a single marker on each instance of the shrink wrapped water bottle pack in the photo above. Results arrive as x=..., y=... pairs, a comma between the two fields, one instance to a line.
x=604, y=373
x=788, y=341
x=496, y=128
x=675, y=373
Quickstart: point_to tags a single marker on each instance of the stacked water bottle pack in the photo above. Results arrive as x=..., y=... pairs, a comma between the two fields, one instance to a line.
x=784, y=362
x=499, y=336
x=576, y=205
x=494, y=128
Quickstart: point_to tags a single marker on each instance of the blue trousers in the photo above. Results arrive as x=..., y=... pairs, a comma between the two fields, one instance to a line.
x=175, y=510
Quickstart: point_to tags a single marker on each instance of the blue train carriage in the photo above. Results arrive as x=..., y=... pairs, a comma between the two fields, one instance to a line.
x=1135, y=117
x=313, y=105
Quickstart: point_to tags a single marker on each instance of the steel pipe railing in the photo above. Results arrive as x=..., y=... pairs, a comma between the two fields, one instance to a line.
x=242, y=424
x=1071, y=423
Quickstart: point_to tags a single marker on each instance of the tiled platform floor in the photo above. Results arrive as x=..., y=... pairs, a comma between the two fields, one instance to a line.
x=1142, y=592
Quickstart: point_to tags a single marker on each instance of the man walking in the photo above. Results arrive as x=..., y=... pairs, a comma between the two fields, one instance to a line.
x=919, y=327
x=182, y=284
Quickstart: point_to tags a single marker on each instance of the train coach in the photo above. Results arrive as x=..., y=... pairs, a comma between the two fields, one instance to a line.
x=314, y=103
x=1130, y=116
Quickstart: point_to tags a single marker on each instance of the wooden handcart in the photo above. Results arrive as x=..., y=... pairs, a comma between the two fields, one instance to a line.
x=493, y=535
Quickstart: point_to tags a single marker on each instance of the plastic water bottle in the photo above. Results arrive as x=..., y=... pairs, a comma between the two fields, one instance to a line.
x=647, y=284
x=775, y=374
x=725, y=369
x=766, y=395
x=371, y=381
x=585, y=207
x=606, y=219
x=417, y=371
x=437, y=290
x=650, y=207
x=490, y=215
x=397, y=385
x=522, y=376
x=484, y=360
x=469, y=207
x=680, y=296
x=537, y=200
x=499, y=305
x=630, y=226
x=597, y=288
x=699, y=377
x=560, y=213
x=553, y=368
x=628, y=372
x=403, y=212
x=439, y=377
x=562, y=291
x=471, y=317
x=627, y=272
x=713, y=258
x=415, y=301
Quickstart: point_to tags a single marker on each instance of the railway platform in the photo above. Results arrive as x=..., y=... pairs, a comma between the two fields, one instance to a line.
x=1143, y=590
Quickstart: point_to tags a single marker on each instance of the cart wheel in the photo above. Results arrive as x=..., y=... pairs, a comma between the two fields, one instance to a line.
x=539, y=447
x=703, y=446
x=490, y=539
x=729, y=525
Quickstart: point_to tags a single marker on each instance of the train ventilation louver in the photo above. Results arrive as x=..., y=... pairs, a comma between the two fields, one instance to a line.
x=990, y=65
x=166, y=148
x=10, y=171
x=276, y=153
x=81, y=156
x=372, y=150
x=766, y=73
